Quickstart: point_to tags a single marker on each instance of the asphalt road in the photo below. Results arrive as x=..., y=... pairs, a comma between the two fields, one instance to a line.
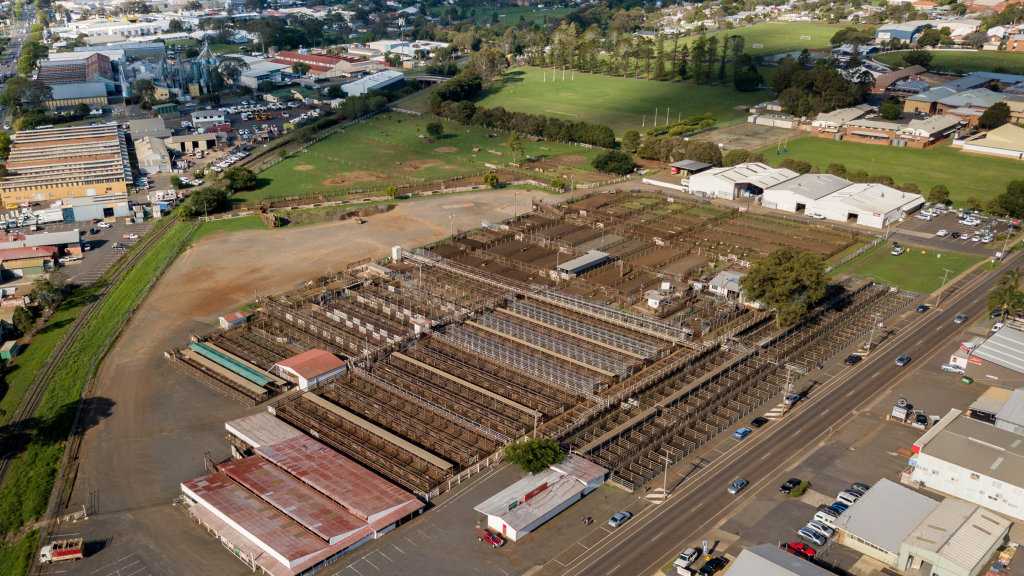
x=653, y=538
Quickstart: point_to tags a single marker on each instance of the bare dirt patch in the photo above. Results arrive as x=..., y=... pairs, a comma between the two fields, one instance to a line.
x=420, y=164
x=304, y=168
x=353, y=176
x=446, y=149
x=748, y=136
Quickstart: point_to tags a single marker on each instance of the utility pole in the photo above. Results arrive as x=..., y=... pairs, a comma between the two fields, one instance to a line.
x=664, y=481
x=945, y=276
x=876, y=324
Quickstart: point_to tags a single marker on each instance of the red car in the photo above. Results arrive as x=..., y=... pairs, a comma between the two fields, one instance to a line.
x=800, y=549
x=491, y=538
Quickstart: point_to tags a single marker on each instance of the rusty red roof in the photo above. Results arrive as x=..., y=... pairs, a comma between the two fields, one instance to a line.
x=359, y=490
x=271, y=529
x=312, y=363
x=314, y=511
x=27, y=252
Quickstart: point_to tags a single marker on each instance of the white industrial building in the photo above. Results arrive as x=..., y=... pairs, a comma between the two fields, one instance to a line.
x=957, y=539
x=770, y=560
x=377, y=81
x=973, y=461
x=834, y=198
x=527, y=504
x=741, y=180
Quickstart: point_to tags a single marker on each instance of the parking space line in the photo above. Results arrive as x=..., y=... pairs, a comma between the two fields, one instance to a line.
x=386, y=557
x=397, y=548
x=367, y=560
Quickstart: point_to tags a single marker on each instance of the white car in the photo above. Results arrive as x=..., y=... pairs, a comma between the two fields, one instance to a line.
x=942, y=233
x=997, y=326
x=103, y=225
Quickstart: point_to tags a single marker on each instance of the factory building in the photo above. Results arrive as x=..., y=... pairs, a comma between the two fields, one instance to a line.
x=48, y=164
x=833, y=198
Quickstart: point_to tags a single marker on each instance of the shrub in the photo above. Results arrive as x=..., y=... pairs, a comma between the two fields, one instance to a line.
x=614, y=162
x=534, y=454
x=800, y=489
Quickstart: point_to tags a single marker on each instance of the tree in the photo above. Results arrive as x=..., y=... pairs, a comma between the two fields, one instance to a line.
x=707, y=152
x=176, y=182
x=836, y=169
x=175, y=25
x=852, y=35
x=745, y=77
x=788, y=281
x=918, y=58
x=300, y=68
x=1011, y=202
x=798, y=166
x=23, y=320
x=534, y=454
x=631, y=141
x=930, y=37
x=82, y=110
x=491, y=179
x=144, y=91
x=5, y=145
x=488, y=63
x=736, y=156
x=614, y=162
x=240, y=178
x=435, y=129
x=891, y=109
x=1007, y=295
x=939, y=194
x=516, y=145
x=206, y=201
x=995, y=116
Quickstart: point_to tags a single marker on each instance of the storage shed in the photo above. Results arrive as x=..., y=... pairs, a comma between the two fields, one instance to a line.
x=310, y=367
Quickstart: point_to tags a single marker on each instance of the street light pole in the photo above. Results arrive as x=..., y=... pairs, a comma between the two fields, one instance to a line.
x=945, y=276
x=664, y=482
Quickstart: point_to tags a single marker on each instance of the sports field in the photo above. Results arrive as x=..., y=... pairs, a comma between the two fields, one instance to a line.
x=918, y=269
x=392, y=149
x=778, y=37
x=963, y=61
x=621, y=103
x=965, y=175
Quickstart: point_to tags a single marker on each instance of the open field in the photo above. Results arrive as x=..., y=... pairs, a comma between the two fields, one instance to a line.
x=777, y=37
x=393, y=150
x=917, y=270
x=963, y=61
x=513, y=15
x=965, y=175
x=229, y=225
x=621, y=103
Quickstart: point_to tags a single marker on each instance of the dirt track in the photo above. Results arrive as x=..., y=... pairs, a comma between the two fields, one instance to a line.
x=162, y=422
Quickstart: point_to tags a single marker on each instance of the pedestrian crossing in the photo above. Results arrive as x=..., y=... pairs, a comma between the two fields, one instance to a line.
x=777, y=412
x=656, y=496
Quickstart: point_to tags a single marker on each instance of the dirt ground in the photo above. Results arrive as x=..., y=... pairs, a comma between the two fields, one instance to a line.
x=163, y=422
x=748, y=136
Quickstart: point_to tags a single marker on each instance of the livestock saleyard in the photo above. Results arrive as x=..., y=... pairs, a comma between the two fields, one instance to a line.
x=591, y=322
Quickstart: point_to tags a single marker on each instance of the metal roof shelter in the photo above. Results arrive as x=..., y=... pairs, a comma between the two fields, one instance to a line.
x=1005, y=348
x=957, y=538
x=261, y=429
x=769, y=560
x=357, y=489
x=977, y=446
x=813, y=186
x=885, y=515
x=1011, y=414
x=581, y=264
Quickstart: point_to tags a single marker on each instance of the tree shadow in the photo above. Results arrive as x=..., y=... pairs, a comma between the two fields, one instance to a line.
x=16, y=437
x=50, y=327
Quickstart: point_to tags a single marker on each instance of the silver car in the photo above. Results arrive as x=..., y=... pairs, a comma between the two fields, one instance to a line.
x=737, y=486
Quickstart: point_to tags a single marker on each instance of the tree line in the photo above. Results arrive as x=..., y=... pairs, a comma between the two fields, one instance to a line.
x=453, y=100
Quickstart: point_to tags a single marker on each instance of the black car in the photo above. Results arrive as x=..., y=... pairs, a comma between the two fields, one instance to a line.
x=758, y=422
x=713, y=565
x=954, y=235
x=921, y=420
x=852, y=359
x=788, y=485
x=922, y=308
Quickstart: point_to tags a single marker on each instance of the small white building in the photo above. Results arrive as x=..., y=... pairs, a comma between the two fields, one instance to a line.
x=207, y=118
x=525, y=505
x=309, y=368
x=973, y=461
x=741, y=180
x=377, y=81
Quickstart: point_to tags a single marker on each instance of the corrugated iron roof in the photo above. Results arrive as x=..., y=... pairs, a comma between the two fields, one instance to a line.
x=312, y=363
x=261, y=429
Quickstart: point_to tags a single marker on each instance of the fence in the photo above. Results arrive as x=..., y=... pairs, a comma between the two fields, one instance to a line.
x=854, y=254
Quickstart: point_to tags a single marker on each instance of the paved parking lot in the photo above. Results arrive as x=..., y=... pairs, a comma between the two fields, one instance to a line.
x=923, y=233
x=103, y=253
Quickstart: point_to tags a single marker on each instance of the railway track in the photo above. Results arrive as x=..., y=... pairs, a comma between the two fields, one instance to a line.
x=37, y=390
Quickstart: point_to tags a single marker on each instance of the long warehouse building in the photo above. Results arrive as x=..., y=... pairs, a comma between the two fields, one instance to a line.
x=48, y=164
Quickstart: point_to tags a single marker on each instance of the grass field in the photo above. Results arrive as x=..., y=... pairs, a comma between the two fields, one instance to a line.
x=961, y=62
x=29, y=480
x=620, y=103
x=227, y=226
x=965, y=175
x=512, y=15
x=16, y=556
x=389, y=150
x=918, y=269
x=777, y=37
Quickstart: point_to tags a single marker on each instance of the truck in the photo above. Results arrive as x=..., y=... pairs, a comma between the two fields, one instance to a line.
x=62, y=550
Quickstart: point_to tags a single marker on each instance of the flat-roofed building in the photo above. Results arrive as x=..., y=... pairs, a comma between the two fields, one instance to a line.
x=957, y=539
x=92, y=94
x=770, y=560
x=48, y=164
x=973, y=461
x=878, y=523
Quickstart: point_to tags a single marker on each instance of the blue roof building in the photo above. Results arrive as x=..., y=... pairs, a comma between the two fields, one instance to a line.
x=905, y=32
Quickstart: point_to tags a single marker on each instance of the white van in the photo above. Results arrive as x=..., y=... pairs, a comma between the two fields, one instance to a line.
x=825, y=518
